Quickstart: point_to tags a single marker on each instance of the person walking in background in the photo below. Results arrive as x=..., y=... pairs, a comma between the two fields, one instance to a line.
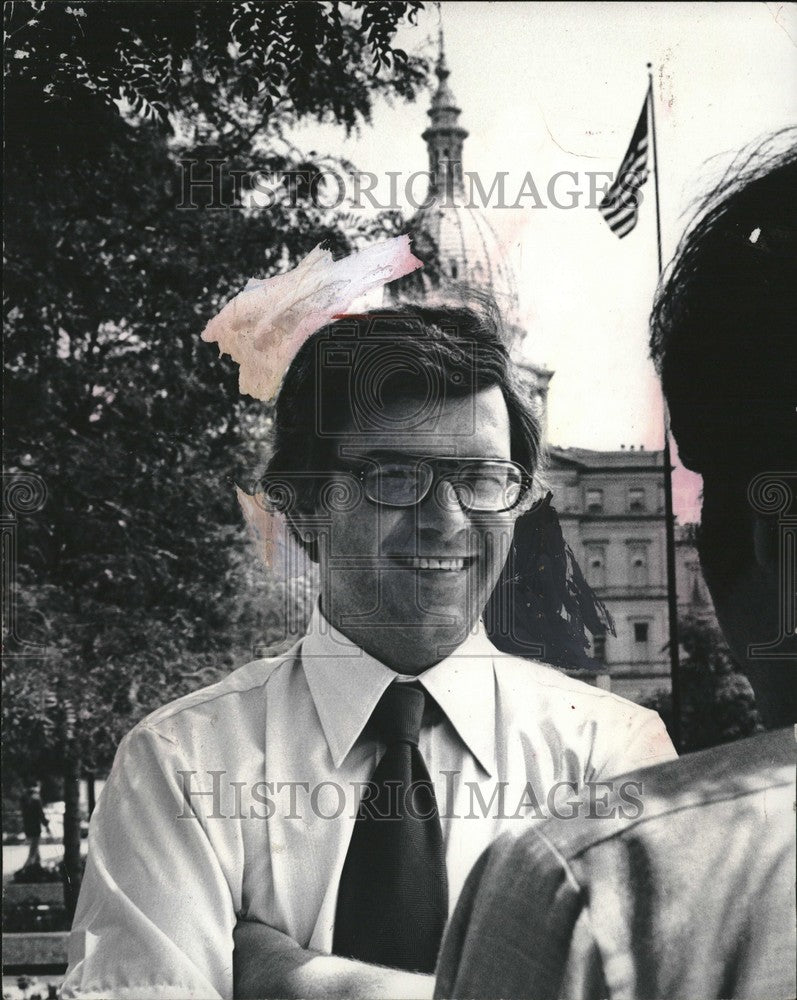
x=33, y=818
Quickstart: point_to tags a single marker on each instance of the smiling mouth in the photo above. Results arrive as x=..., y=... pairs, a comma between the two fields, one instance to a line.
x=449, y=564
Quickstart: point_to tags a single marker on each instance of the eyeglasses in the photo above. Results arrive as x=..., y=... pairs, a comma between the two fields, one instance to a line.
x=481, y=485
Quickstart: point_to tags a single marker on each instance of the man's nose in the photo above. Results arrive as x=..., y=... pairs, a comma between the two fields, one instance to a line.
x=441, y=508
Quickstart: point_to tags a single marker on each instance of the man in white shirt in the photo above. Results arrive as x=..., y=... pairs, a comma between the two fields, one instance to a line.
x=407, y=454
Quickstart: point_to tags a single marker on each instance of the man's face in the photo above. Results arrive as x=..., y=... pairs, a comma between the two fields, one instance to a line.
x=407, y=584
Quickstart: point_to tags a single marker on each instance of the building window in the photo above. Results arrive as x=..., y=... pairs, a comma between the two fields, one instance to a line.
x=594, y=501
x=599, y=648
x=454, y=269
x=640, y=652
x=636, y=500
x=639, y=575
x=596, y=565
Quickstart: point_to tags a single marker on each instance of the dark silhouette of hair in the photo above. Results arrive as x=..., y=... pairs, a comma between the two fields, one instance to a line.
x=343, y=372
x=723, y=340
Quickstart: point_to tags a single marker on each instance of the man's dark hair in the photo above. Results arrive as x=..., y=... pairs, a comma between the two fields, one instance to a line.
x=340, y=374
x=723, y=341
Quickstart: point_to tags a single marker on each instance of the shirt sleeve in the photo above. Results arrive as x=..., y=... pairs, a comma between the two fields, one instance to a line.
x=510, y=933
x=638, y=740
x=155, y=915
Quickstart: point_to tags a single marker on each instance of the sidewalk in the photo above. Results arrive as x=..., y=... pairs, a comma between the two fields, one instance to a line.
x=14, y=856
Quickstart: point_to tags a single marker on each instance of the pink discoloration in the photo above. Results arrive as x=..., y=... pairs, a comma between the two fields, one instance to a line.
x=666, y=90
x=686, y=489
x=780, y=17
x=270, y=532
x=264, y=326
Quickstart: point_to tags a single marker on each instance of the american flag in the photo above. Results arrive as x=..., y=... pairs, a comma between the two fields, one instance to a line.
x=619, y=206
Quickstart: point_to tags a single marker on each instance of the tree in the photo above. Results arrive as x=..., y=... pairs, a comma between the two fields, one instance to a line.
x=320, y=59
x=132, y=573
x=717, y=702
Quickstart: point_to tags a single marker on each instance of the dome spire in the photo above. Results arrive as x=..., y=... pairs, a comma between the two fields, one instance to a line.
x=442, y=71
x=445, y=136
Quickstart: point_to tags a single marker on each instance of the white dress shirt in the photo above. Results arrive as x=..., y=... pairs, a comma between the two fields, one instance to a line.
x=238, y=801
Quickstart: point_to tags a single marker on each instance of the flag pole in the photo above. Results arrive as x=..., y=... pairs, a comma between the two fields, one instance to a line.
x=669, y=517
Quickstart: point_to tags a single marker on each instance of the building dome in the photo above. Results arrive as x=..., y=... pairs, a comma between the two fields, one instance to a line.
x=455, y=240
x=466, y=249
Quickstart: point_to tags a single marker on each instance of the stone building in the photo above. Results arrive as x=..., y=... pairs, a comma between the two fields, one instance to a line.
x=611, y=508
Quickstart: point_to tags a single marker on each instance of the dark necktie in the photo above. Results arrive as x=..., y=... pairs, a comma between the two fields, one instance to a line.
x=393, y=896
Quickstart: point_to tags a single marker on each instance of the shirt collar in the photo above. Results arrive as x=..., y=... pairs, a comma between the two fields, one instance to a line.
x=346, y=683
